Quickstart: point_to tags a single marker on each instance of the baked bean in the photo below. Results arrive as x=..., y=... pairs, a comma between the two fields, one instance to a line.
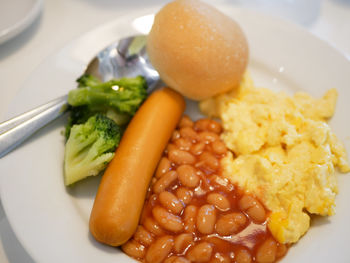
x=170, y=201
x=197, y=148
x=202, y=125
x=143, y=236
x=160, y=249
x=190, y=215
x=134, y=249
x=230, y=223
x=200, y=192
x=219, y=201
x=167, y=220
x=219, y=147
x=165, y=181
x=187, y=175
x=253, y=208
x=208, y=161
x=188, y=198
x=281, y=250
x=185, y=195
x=188, y=133
x=214, y=126
x=208, y=137
x=164, y=166
x=182, y=241
x=175, y=259
x=170, y=259
x=208, y=125
x=200, y=253
x=220, y=258
x=152, y=226
x=175, y=135
x=153, y=180
x=222, y=181
x=185, y=122
x=266, y=252
x=183, y=144
x=181, y=157
x=243, y=256
x=171, y=147
x=206, y=219
x=181, y=260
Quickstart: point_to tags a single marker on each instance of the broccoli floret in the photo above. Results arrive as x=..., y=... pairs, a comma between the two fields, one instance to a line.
x=81, y=114
x=90, y=147
x=88, y=80
x=125, y=95
x=99, y=111
x=78, y=115
x=117, y=99
x=122, y=119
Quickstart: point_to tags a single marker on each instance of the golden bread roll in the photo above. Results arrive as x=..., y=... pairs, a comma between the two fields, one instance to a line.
x=197, y=50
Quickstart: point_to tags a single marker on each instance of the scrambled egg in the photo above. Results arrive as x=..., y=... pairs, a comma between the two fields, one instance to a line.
x=283, y=151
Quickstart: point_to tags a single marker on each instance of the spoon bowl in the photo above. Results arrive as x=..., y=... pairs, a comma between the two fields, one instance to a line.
x=125, y=58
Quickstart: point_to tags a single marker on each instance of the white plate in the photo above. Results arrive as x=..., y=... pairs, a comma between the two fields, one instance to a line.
x=51, y=221
x=17, y=15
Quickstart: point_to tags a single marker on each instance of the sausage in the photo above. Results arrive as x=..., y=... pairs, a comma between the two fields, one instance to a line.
x=122, y=191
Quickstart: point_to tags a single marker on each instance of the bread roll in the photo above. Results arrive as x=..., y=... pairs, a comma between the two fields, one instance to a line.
x=197, y=50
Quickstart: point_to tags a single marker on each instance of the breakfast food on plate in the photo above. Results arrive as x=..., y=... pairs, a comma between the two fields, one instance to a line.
x=240, y=191
x=196, y=49
x=193, y=214
x=215, y=49
x=90, y=147
x=121, y=193
x=283, y=151
x=98, y=114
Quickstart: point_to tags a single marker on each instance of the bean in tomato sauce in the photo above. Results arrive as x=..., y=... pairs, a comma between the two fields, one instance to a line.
x=193, y=214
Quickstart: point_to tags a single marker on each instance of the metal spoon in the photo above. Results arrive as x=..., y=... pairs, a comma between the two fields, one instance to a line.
x=126, y=58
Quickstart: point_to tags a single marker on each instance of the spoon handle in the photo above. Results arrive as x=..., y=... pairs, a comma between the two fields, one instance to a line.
x=16, y=130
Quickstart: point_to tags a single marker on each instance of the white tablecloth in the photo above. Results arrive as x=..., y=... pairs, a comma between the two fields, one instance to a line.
x=63, y=20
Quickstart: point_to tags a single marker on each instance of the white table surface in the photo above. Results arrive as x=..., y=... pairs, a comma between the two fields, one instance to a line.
x=62, y=21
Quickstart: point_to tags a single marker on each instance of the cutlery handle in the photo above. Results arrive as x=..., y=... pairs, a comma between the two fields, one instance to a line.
x=16, y=130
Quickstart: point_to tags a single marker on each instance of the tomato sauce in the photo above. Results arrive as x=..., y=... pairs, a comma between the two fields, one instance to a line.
x=202, y=217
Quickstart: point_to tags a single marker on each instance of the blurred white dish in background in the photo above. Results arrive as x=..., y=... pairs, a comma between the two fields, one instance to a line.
x=17, y=15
